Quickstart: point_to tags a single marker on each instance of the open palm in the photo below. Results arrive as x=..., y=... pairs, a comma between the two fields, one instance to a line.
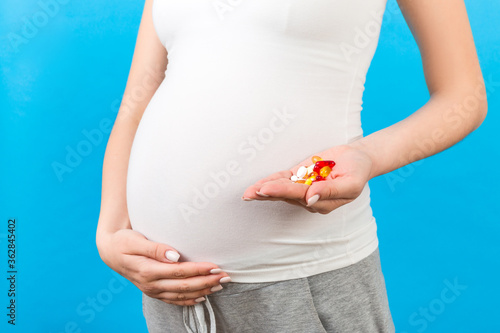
x=343, y=184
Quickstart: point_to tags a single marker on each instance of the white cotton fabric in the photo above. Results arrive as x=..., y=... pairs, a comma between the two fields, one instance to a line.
x=252, y=87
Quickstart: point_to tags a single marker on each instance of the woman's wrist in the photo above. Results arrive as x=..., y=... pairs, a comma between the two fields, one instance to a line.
x=364, y=147
x=103, y=239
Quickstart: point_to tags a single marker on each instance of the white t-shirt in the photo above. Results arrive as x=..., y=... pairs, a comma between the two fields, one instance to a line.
x=252, y=87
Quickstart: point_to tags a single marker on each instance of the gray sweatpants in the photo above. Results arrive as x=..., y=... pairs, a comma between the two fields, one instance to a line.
x=349, y=299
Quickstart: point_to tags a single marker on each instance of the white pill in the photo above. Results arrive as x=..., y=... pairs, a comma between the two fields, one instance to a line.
x=310, y=169
x=294, y=178
x=302, y=172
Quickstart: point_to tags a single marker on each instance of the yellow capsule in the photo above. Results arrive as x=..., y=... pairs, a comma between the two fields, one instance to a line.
x=316, y=159
x=308, y=181
x=325, y=171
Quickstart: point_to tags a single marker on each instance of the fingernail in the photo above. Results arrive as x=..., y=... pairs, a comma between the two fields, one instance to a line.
x=246, y=199
x=225, y=279
x=199, y=299
x=261, y=194
x=216, y=288
x=216, y=271
x=312, y=200
x=172, y=255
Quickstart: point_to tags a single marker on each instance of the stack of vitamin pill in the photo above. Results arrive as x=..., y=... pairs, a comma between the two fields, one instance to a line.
x=317, y=171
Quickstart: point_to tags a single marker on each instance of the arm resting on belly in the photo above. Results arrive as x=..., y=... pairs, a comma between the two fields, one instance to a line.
x=151, y=266
x=146, y=73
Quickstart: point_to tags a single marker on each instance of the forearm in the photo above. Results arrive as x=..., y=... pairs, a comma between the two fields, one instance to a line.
x=114, y=215
x=442, y=122
x=147, y=71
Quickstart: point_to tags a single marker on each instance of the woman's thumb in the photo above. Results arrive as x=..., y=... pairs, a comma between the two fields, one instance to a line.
x=136, y=243
x=172, y=255
x=160, y=252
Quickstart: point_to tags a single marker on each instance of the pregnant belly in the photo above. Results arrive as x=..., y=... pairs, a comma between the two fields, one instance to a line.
x=194, y=155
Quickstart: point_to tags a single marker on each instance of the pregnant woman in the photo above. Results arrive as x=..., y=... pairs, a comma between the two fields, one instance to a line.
x=225, y=100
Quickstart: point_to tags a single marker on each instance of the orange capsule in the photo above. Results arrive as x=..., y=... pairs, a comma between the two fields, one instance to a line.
x=316, y=159
x=301, y=181
x=325, y=171
x=313, y=175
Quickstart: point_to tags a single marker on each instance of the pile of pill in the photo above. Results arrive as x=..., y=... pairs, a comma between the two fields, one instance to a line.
x=317, y=171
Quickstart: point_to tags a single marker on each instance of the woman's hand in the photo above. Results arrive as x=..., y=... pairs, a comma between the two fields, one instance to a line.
x=344, y=184
x=145, y=264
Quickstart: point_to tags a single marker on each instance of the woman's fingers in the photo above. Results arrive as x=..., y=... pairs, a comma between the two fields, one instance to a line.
x=177, y=282
x=344, y=187
x=192, y=287
x=180, y=290
x=250, y=192
x=150, y=270
x=344, y=184
x=321, y=196
x=284, y=189
x=144, y=263
x=141, y=246
x=135, y=243
x=330, y=194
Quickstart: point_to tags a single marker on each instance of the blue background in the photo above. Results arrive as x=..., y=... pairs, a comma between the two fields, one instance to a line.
x=438, y=219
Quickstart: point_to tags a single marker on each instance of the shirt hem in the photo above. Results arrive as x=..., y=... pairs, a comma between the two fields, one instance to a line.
x=309, y=268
